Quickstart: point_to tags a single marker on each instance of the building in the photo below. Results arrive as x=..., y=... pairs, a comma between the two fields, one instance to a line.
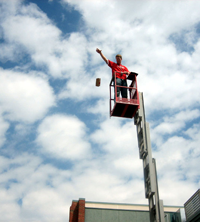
x=192, y=208
x=86, y=211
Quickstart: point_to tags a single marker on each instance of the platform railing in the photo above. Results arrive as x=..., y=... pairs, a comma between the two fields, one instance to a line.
x=132, y=87
x=132, y=96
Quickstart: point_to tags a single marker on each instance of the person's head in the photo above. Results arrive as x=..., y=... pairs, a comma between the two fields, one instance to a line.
x=118, y=59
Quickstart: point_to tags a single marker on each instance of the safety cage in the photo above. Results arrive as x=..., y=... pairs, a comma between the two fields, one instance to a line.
x=124, y=107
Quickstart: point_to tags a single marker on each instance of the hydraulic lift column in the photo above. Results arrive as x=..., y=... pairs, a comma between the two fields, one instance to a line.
x=156, y=209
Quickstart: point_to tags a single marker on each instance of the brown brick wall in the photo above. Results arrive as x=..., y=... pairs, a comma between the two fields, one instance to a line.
x=81, y=210
x=77, y=211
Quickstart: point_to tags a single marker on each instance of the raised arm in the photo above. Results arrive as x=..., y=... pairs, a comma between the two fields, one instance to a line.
x=101, y=54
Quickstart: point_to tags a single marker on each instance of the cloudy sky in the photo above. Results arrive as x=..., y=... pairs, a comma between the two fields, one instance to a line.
x=57, y=140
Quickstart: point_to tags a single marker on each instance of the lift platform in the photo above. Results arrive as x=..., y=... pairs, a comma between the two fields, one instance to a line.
x=124, y=107
x=130, y=107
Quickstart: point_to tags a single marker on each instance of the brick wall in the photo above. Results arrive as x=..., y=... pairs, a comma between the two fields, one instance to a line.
x=77, y=211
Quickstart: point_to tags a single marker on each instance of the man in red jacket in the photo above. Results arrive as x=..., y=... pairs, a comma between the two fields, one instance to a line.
x=121, y=72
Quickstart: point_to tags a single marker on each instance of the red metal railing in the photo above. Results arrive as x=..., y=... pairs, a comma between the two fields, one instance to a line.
x=132, y=96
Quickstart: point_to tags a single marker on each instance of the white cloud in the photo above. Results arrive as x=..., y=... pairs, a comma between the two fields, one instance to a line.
x=169, y=79
x=68, y=57
x=64, y=136
x=115, y=176
x=12, y=190
x=24, y=97
x=47, y=202
x=8, y=205
x=84, y=87
x=177, y=161
x=35, y=26
x=175, y=123
x=104, y=184
x=27, y=190
x=108, y=168
x=118, y=139
x=3, y=128
x=28, y=29
x=141, y=31
x=41, y=191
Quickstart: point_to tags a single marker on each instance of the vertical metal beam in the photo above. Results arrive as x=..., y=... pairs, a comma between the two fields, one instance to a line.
x=156, y=210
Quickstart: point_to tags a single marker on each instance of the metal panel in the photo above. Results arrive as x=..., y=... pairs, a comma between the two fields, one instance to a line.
x=106, y=215
x=110, y=215
x=192, y=205
x=93, y=215
x=119, y=215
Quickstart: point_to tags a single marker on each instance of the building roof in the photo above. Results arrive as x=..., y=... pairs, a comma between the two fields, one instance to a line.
x=122, y=206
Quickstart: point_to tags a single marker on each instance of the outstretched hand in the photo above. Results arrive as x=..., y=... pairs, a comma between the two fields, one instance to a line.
x=98, y=50
x=101, y=54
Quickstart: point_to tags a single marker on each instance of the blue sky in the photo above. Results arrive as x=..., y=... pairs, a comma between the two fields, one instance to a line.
x=57, y=141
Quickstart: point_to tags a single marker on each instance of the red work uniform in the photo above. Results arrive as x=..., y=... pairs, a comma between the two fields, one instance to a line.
x=119, y=68
x=120, y=78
